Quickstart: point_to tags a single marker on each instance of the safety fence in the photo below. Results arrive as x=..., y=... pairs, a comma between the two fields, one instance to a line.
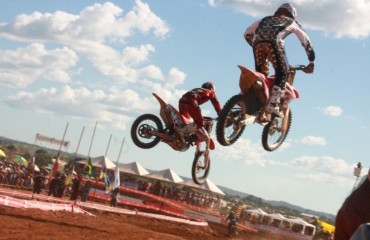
x=23, y=199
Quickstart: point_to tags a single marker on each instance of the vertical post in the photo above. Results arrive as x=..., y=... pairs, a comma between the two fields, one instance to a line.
x=106, y=151
x=120, y=150
x=92, y=139
x=74, y=158
x=55, y=168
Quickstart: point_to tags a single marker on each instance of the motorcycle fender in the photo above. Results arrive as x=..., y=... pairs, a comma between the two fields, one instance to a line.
x=291, y=91
x=160, y=100
x=247, y=78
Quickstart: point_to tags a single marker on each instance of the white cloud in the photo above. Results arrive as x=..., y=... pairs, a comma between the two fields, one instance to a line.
x=325, y=15
x=110, y=97
x=21, y=67
x=112, y=107
x=333, y=111
x=243, y=150
x=326, y=178
x=324, y=164
x=94, y=41
x=312, y=140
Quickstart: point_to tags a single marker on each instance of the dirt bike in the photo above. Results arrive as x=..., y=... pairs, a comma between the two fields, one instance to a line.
x=178, y=132
x=248, y=107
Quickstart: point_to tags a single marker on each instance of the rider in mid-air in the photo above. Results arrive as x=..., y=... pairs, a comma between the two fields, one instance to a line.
x=266, y=36
x=189, y=107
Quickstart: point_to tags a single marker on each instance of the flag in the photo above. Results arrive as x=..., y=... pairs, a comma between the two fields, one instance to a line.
x=88, y=169
x=55, y=169
x=104, y=176
x=117, y=181
x=68, y=180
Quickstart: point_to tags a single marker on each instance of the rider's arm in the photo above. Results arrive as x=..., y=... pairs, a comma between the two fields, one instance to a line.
x=304, y=39
x=216, y=104
x=249, y=32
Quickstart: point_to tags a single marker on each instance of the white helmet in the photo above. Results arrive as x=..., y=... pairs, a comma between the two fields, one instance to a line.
x=289, y=8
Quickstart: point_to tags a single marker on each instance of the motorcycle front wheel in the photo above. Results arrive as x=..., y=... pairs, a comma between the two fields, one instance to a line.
x=272, y=135
x=200, y=168
x=143, y=129
x=229, y=127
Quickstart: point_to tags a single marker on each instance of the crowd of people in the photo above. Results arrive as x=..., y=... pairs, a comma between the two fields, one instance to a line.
x=28, y=177
x=16, y=175
x=174, y=192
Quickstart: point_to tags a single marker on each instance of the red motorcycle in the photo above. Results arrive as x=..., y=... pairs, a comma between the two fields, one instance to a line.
x=248, y=107
x=179, y=133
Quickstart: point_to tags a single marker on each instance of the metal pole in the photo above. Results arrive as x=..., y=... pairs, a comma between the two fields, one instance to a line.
x=106, y=151
x=120, y=150
x=92, y=139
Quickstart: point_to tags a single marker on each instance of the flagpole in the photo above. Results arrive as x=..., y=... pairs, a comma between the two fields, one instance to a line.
x=55, y=168
x=92, y=139
x=120, y=150
x=106, y=151
x=79, y=141
x=88, y=154
x=117, y=180
x=75, y=156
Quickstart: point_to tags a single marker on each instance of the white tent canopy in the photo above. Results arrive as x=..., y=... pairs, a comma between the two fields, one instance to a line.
x=212, y=187
x=133, y=168
x=166, y=175
x=257, y=211
x=300, y=221
x=207, y=186
x=101, y=161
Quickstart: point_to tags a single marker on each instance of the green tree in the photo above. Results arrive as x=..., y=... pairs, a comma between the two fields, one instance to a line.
x=11, y=148
x=42, y=158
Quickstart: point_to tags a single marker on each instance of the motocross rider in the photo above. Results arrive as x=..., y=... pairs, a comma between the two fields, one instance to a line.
x=189, y=107
x=266, y=36
x=232, y=218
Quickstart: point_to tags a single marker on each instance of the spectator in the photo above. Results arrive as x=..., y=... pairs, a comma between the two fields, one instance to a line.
x=38, y=181
x=85, y=189
x=76, y=187
x=354, y=211
x=114, y=197
x=53, y=186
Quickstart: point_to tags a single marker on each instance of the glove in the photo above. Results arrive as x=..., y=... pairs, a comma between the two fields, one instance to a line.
x=309, y=68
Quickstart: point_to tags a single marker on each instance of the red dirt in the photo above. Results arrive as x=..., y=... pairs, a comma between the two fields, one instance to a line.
x=37, y=224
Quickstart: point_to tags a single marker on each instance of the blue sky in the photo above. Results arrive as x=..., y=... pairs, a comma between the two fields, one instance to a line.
x=87, y=62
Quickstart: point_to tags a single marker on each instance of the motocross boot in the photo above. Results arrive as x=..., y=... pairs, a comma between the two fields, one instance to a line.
x=274, y=100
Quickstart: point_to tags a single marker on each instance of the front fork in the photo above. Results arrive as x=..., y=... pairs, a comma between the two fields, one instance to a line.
x=206, y=154
x=284, y=124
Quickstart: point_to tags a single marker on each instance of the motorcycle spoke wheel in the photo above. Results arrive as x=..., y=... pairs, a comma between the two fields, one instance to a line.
x=272, y=135
x=229, y=127
x=200, y=168
x=143, y=129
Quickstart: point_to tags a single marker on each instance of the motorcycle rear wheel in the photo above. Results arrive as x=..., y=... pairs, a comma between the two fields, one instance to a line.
x=228, y=128
x=142, y=128
x=200, y=169
x=272, y=137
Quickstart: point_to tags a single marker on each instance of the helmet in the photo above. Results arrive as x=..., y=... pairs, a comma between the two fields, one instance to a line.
x=209, y=85
x=287, y=7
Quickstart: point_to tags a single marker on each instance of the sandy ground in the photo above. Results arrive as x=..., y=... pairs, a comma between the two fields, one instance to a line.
x=37, y=224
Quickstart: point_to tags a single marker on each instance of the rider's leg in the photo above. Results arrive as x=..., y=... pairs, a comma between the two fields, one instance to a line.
x=274, y=100
x=281, y=66
x=203, y=135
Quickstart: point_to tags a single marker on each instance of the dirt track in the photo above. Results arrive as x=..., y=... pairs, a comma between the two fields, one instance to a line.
x=36, y=224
